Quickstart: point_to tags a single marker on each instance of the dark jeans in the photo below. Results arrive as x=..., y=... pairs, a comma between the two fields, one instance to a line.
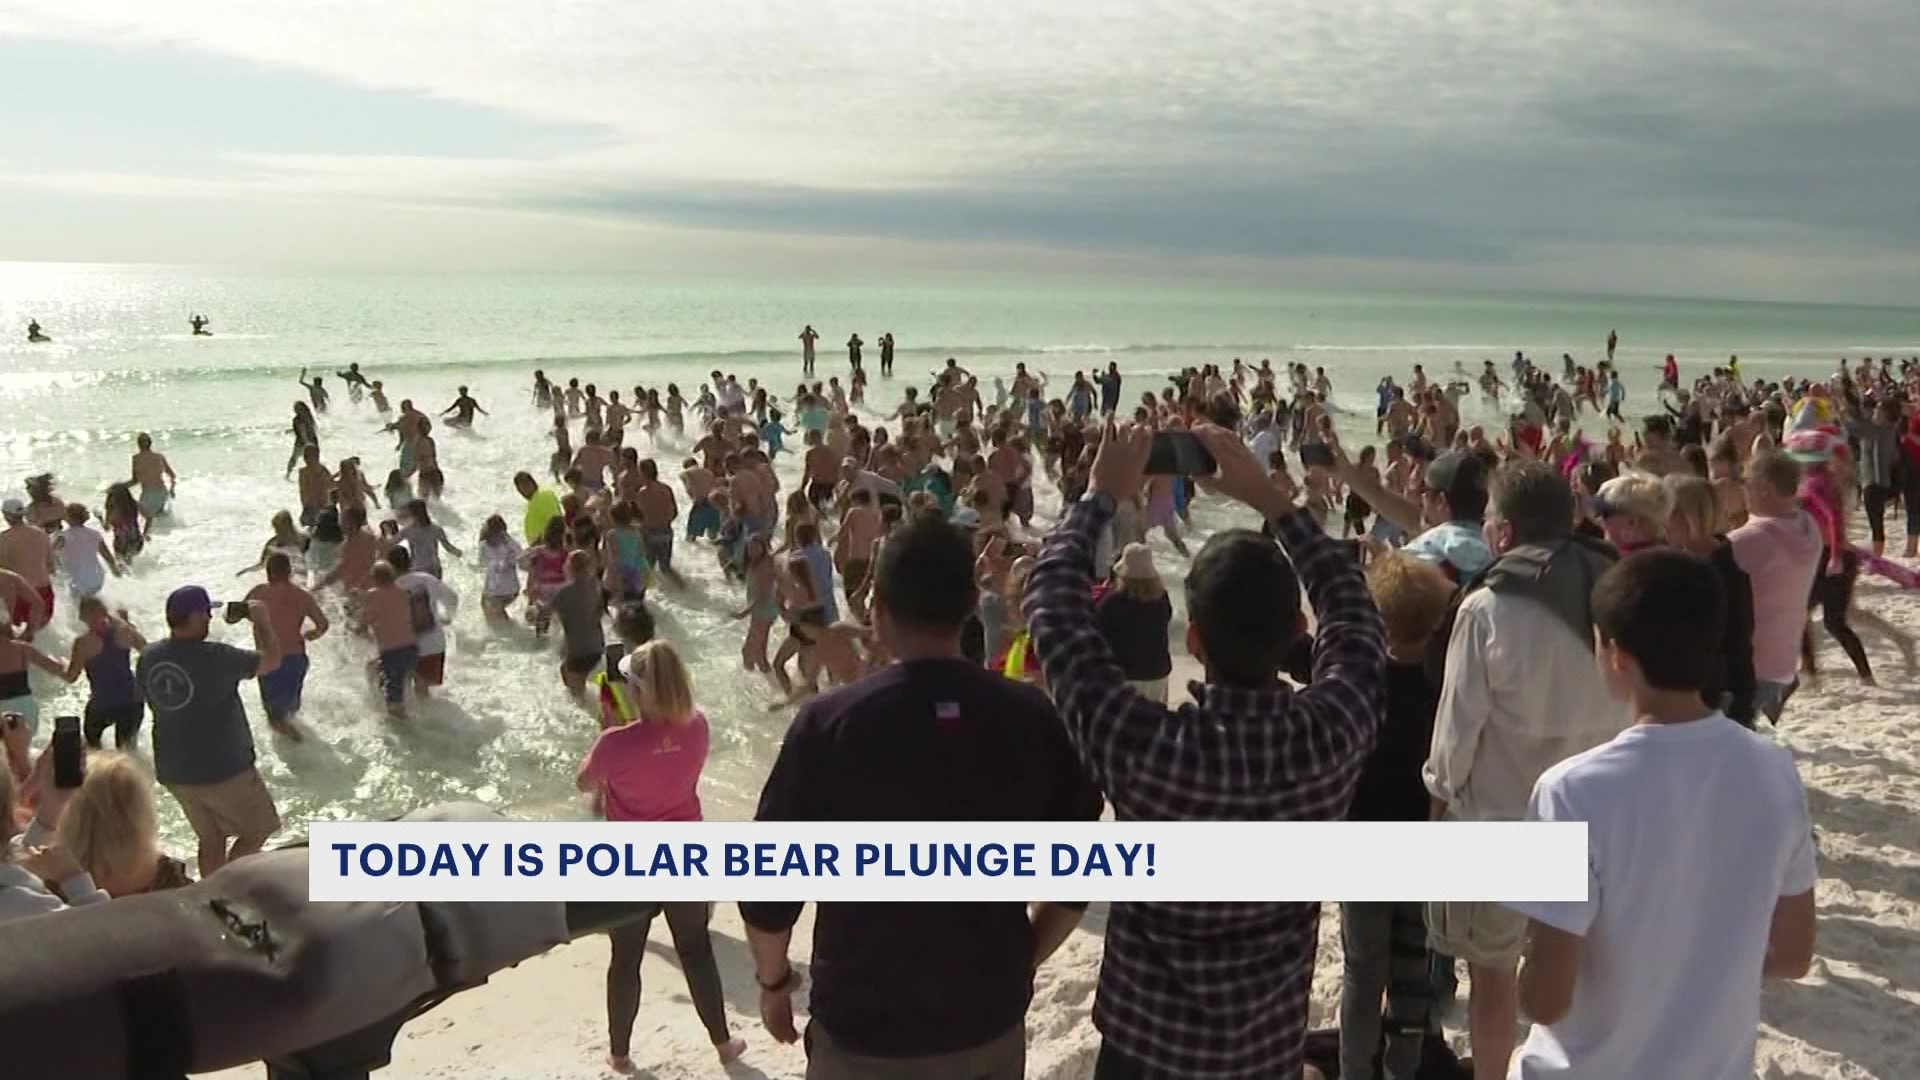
x=1876, y=500
x=1833, y=594
x=687, y=920
x=1385, y=950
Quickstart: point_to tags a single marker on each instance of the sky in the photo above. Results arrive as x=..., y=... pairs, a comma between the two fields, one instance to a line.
x=1737, y=148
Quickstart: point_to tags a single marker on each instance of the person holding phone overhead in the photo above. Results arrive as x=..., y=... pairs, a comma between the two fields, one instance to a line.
x=203, y=751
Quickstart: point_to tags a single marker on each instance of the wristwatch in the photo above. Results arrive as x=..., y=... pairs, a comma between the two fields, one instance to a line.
x=786, y=984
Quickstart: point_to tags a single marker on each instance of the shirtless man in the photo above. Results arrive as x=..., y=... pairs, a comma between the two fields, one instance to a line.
x=156, y=478
x=618, y=414
x=316, y=391
x=752, y=489
x=289, y=609
x=593, y=460
x=26, y=550
x=359, y=549
x=542, y=390
x=1399, y=417
x=575, y=399
x=595, y=408
x=714, y=446
x=389, y=610
x=821, y=467
x=378, y=390
x=407, y=427
x=466, y=407
x=853, y=544
x=22, y=600
x=355, y=381
x=316, y=487
x=658, y=510
x=703, y=518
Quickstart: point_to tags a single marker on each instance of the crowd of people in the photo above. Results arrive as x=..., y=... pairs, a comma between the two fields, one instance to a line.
x=1509, y=621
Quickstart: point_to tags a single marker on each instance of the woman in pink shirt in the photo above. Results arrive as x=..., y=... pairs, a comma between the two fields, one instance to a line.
x=1824, y=495
x=649, y=770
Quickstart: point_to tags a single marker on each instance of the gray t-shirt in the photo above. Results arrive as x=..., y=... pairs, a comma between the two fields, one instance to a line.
x=200, y=733
x=579, y=605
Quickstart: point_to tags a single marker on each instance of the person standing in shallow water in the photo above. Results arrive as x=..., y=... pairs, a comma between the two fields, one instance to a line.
x=853, y=352
x=808, y=335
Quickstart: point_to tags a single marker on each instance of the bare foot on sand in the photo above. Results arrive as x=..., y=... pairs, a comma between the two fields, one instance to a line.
x=620, y=1063
x=730, y=1050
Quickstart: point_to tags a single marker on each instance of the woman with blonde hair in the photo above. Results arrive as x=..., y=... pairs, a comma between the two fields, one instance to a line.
x=1633, y=509
x=649, y=770
x=110, y=827
x=1693, y=527
x=34, y=879
x=1133, y=617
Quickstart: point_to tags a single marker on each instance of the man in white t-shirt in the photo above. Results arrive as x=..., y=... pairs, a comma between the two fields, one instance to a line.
x=1689, y=907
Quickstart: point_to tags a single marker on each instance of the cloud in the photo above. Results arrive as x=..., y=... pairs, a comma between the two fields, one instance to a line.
x=1479, y=134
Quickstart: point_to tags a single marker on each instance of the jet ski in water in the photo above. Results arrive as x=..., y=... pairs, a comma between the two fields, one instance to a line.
x=199, y=324
x=34, y=336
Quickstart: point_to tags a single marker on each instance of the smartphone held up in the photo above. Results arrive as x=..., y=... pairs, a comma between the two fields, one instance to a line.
x=1179, y=453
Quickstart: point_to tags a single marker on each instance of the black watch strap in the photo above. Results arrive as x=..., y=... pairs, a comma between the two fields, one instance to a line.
x=786, y=984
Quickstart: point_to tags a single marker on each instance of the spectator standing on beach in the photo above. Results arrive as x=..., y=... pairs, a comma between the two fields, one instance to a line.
x=934, y=991
x=648, y=769
x=1643, y=978
x=1520, y=694
x=1199, y=989
x=1779, y=548
x=1383, y=946
x=1134, y=614
x=1691, y=528
x=1446, y=522
x=203, y=750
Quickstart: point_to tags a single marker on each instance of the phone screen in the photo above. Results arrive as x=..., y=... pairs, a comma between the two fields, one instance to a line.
x=68, y=768
x=1178, y=453
x=236, y=610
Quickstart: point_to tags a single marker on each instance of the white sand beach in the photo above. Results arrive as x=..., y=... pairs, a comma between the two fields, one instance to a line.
x=1855, y=1017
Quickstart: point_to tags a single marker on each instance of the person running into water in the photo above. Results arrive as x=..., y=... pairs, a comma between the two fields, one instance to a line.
x=124, y=520
x=500, y=558
x=389, y=612
x=155, y=475
x=546, y=574
x=356, y=382
x=26, y=550
x=104, y=651
x=465, y=406
x=289, y=608
x=316, y=390
x=17, y=655
x=579, y=604
x=648, y=769
x=304, y=432
x=425, y=540
x=84, y=555
x=432, y=606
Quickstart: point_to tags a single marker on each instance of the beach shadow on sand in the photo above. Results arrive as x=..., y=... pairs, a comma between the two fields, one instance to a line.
x=1862, y=817
x=1865, y=874
x=1851, y=757
x=735, y=960
x=1867, y=945
x=1865, y=1024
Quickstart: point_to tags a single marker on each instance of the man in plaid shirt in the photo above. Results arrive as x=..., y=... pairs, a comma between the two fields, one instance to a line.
x=1198, y=989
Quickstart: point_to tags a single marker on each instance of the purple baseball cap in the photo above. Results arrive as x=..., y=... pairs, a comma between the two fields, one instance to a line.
x=188, y=600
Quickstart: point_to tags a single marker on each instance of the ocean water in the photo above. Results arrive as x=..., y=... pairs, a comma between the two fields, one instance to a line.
x=503, y=731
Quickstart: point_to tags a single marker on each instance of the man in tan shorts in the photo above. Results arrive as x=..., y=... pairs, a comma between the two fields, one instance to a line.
x=202, y=747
